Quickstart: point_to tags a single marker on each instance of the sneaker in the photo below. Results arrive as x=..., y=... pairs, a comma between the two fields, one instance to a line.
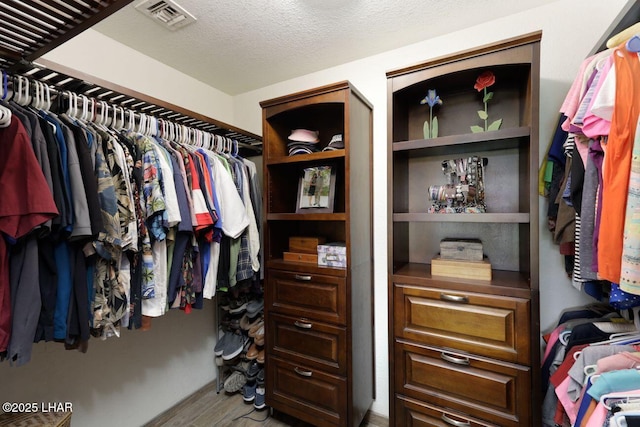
x=220, y=345
x=252, y=370
x=238, y=305
x=249, y=391
x=259, y=402
x=234, y=382
x=255, y=306
x=233, y=346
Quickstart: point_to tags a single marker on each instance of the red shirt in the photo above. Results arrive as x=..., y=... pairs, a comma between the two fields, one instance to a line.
x=25, y=202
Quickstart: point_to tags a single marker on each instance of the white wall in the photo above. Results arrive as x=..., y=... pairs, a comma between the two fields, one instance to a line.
x=570, y=29
x=97, y=55
x=130, y=380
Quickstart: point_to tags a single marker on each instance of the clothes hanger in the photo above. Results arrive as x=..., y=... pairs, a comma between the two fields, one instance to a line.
x=633, y=44
x=618, y=397
x=5, y=84
x=47, y=97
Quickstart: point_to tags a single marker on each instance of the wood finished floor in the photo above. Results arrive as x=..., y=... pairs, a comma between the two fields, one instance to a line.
x=207, y=408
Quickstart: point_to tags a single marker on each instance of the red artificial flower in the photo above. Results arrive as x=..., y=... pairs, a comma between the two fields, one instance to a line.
x=484, y=80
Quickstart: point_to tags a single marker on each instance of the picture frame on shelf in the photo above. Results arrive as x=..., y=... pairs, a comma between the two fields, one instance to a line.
x=316, y=190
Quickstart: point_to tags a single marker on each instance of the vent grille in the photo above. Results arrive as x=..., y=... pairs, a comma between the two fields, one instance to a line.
x=166, y=13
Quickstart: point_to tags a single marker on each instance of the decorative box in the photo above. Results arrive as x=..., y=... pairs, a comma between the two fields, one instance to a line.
x=474, y=270
x=332, y=255
x=461, y=249
x=303, y=244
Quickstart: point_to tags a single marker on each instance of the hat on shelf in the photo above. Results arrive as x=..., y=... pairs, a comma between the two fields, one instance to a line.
x=304, y=135
x=336, y=143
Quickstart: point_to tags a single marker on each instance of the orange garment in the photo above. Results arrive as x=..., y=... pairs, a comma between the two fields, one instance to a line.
x=617, y=163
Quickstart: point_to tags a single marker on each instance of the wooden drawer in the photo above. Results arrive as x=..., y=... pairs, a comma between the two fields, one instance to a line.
x=411, y=413
x=312, y=296
x=311, y=395
x=488, y=389
x=488, y=325
x=316, y=344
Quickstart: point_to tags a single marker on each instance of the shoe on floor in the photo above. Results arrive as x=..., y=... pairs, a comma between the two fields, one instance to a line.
x=235, y=382
x=249, y=391
x=233, y=346
x=259, y=402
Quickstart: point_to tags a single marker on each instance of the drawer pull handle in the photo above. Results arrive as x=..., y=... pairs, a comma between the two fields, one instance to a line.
x=303, y=278
x=452, y=359
x=454, y=422
x=302, y=372
x=303, y=325
x=454, y=298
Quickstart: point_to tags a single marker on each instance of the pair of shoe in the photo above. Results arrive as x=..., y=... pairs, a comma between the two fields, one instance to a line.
x=255, y=306
x=247, y=322
x=235, y=382
x=230, y=345
x=256, y=353
x=253, y=391
x=257, y=333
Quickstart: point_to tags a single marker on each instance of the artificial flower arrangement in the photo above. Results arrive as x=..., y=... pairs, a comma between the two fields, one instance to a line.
x=484, y=81
x=430, y=127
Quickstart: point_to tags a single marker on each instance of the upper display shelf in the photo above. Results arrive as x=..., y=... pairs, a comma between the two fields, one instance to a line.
x=477, y=100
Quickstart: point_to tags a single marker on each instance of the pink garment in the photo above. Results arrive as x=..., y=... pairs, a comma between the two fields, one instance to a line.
x=553, y=337
x=598, y=416
x=624, y=360
x=572, y=100
x=594, y=125
x=578, y=89
x=570, y=407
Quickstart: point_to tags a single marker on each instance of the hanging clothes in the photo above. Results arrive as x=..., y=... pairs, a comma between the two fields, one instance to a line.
x=116, y=225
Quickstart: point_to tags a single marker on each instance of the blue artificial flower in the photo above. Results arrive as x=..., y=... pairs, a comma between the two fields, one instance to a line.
x=431, y=99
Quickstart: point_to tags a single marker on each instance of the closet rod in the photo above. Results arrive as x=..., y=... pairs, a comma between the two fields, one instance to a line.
x=63, y=78
x=32, y=28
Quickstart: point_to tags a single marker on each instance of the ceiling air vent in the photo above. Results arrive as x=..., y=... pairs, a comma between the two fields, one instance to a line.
x=166, y=13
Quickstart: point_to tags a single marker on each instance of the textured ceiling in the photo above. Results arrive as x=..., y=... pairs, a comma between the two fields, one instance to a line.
x=240, y=45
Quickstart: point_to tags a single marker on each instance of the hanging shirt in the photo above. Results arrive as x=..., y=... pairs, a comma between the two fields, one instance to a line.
x=26, y=202
x=617, y=163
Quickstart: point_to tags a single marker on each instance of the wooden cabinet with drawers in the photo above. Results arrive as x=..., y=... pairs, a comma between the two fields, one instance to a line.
x=464, y=351
x=319, y=320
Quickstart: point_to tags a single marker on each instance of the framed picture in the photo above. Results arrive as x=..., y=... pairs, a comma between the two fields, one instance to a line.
x=316, y=190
